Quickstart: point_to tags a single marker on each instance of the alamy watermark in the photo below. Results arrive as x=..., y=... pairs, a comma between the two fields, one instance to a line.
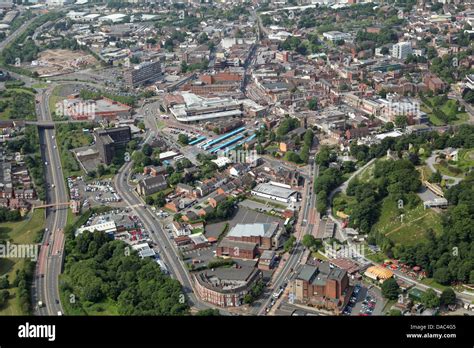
x=239, y=156
x=76, y=109
x=344, y=251
x=19, y=251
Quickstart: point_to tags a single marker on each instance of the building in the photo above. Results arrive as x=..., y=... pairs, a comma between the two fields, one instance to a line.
x=143, y=73
x=101, y=109
x=265, y=235
x=108, y=140
x=226, y=287
x=152, y=185
x=434, y=83
x=335, y=36
x=196, y=108
x=106, y=227
x=321, y=285
x=402, y=50
x=267, y=260
x=276, y=191
x=237, y=249
x=378, y=273
x=144, y=250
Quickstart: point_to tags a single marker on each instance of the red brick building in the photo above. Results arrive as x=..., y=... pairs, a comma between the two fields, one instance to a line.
x=236, y=249
x=321, y=285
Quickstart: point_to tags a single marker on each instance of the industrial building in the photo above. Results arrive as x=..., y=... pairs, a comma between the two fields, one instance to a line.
x=265, y=235
x=276, y=191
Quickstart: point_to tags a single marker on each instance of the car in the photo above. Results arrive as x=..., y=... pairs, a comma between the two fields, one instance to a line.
x=57, y=301
x=45, y=163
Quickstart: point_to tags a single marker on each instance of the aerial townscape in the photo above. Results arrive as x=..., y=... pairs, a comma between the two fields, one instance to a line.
x=237, y=158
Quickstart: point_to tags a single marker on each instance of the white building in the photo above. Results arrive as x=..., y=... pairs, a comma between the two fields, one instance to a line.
x=106, y=227
x=401, y=50
x=335, y=36
x=276, y=191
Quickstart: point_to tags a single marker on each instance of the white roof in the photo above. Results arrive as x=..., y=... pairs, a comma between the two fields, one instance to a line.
x=392, y=134
x=222, y=161
x=108, y=226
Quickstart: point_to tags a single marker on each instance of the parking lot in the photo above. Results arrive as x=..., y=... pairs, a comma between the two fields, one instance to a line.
x=364, y=302
x=95, y=193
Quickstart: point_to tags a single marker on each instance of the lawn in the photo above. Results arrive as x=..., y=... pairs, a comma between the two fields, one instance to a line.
x=466, y=159
x=431, y=282
x=343, y=202
x=40, y=85
x=68, y=139
x=447, y=169
x=416, y=223
x=54, y=99
x=21, y=232
x=447, y=107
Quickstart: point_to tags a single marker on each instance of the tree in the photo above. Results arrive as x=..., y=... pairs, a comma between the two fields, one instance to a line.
x=401, y=121
x=4, y=283
x=310, y=242
x=435, y=177
x=183, y=139
x=289, y=244
x=313, y=103
x=448, y=297
x=390, y=289
x=210, y=312
x=441, y=275
x=147, y=150
x=430, y=299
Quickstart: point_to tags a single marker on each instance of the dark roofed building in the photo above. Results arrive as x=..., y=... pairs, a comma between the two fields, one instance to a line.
x=152, y=185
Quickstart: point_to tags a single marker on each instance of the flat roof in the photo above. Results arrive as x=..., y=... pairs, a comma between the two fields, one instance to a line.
x=256, y=229
x=274, y=190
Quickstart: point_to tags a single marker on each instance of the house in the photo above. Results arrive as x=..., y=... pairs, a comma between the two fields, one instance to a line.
x=205, y=211
x=267, y=260
x=155, y=170
x=287, y=146
x=183, y=188
x=214, y=201
x=179, y=229
x=189, y=216
x=237, y=170
x=152, y=185
x=173, y=205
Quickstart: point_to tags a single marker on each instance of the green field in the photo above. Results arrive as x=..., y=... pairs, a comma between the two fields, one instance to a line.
x=466, y=159
x=21, y=232
x=462, y=117
x=68, y=139
x=416, y=223
x=449, y=170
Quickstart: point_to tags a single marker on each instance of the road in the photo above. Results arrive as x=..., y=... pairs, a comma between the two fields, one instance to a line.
x=46, y=288
x=45, y=285
x=296, y=256
x=167, y=249
x=431, y=162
